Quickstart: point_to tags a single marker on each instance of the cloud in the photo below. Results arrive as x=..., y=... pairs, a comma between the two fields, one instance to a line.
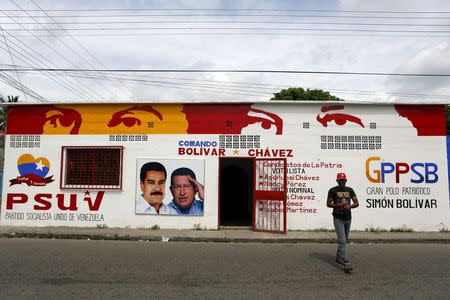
x=430, y=60
x=321, y=51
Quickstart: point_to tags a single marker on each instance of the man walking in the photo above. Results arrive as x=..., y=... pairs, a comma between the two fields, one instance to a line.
x=342, y=199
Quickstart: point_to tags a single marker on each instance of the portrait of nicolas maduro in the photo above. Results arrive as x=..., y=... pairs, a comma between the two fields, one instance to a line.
x=170, y=187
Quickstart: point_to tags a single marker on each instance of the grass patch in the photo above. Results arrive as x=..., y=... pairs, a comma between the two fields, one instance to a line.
x=375, y=229
x=155, y=227
x=321, y=230
x=198, y=226
x=404, y=228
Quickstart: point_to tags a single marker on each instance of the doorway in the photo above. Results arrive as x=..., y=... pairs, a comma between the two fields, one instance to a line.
x=236, y=191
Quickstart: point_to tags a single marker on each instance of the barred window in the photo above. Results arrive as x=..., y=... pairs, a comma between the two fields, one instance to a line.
x=92, y=167
x=239, y=141
x=357, y=142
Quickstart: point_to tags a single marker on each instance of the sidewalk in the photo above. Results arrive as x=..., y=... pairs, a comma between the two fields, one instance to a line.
x=222, y=235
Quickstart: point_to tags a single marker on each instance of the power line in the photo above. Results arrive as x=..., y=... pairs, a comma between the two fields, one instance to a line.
x=232, y=22
x=203, y=88
x=19, y=86
x=12, y=59
x=266, y=87
x=65, y=44
x=61, y=55
x=84, y=48
x=215, y=34
x=234, y=28
x=202, y=85
x=220, y=84
x=66, y=83
x=237, y=15
x=225, y=71
x=238, y=9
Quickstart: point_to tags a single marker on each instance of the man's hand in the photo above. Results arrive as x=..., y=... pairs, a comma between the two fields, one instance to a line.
x=343, y=204
x=199, y=187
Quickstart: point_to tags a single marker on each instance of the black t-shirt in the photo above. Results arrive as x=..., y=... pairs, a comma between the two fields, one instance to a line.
x=340, y=194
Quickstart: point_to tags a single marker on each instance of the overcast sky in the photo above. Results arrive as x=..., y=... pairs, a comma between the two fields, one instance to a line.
x=262, y=35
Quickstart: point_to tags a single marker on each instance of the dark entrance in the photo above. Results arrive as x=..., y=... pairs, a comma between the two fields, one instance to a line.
x=236, y=191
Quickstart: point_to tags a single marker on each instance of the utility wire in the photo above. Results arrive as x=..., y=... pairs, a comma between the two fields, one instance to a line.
x=239, y=9
x=12, y=60
x=204, y=85
x=265, y=88
x=62, y=56
x=232, y=22
x=237, y=15
x=86, y=50
x=19, y=86
x=233, y=28
x=27, y=57
x=65, y=44
x=214, y=84
x=215, y=34
x=225, y=71
x=66, y=83
x=53, y=77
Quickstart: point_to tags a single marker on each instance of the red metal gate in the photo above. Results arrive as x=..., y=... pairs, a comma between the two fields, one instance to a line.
x=269, y=200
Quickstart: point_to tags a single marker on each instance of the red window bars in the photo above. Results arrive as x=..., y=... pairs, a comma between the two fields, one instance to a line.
x=92, y=167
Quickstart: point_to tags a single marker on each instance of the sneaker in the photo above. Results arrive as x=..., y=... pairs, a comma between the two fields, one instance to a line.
x=348, y=266
x=340, y=261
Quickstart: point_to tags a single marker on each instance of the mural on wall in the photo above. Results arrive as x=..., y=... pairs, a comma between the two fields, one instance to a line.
x=188, y=118
x=170, y=187
x=32, y=171
x=228, y=119
x=334, y=113
x=29, y=205
x=429, y=120
x=135, y=119
x=394, y=156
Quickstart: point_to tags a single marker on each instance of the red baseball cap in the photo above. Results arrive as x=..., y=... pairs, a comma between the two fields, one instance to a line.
x=341, y=176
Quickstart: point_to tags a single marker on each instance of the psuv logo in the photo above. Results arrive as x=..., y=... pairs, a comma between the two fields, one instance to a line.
x=378, y=171
x=32, y=171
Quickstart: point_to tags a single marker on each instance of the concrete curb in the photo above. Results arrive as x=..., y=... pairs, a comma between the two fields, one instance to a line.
x=228, y=236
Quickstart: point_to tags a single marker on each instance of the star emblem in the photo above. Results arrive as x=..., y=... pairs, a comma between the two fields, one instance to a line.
x=235, y=152
x=39, y=165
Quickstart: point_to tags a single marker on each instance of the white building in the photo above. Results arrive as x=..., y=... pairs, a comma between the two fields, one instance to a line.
x=268, y=165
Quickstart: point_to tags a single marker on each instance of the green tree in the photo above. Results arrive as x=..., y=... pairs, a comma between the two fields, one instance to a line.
x=298, y=93
x=9, y=99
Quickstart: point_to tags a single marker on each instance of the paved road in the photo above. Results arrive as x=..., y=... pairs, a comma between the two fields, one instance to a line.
x=33, y=268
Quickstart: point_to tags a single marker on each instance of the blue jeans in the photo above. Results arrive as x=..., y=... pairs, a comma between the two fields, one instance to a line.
x=342, y=230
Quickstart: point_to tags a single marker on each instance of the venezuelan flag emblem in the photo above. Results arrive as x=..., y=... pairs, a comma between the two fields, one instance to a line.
x=32, y=171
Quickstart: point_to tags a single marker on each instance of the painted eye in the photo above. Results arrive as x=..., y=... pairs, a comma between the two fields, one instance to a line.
x=127, y=121
x=266, y=119
x=52, y=120
x=130, y=121
x=66, y=121
x=339, y=119
x=266, y=124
